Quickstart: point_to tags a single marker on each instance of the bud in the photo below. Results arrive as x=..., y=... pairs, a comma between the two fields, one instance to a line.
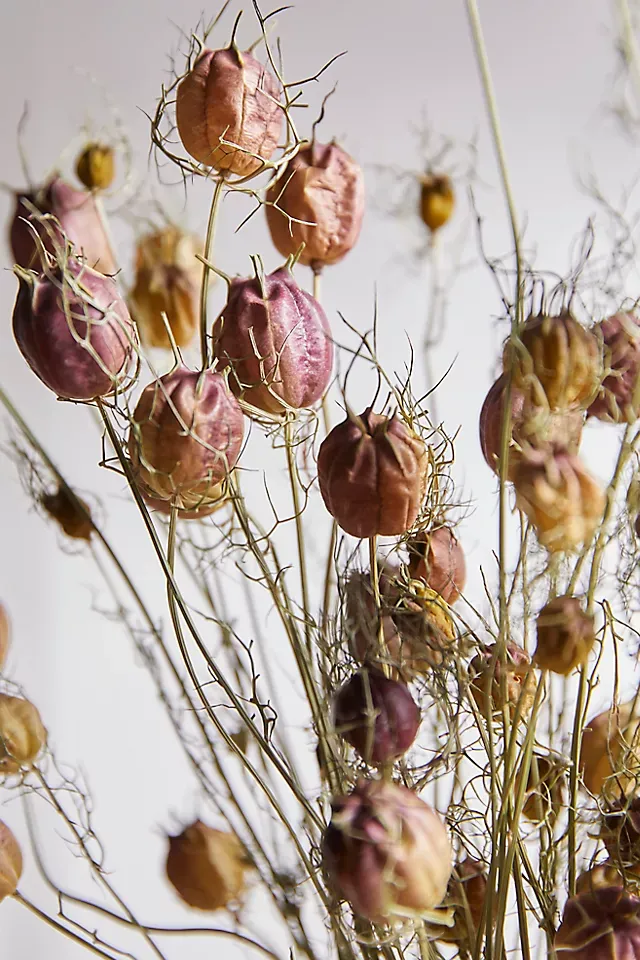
x=230, y=96
x=10, y=862
x=376, y=715
x=561, y=499
x=5, y=635
x=207, y=867
x=543, y=793
x=437, y=200
x=386, y=851
x=556, y=361
x=74, y=330
x=70, y=512
x=372, y=472
x=620, y=831
x=517, y=690
x=219, y=499
x=168, y=279
x=566, y=635
x=185, y=437
x=436, y=557
x=22, y=734
x=618, y=400
x=602, y=924
x=466, y=894
x=75, y=213
x=95, y=167
x=277, y=341
x=609, y=754
x=324, y=187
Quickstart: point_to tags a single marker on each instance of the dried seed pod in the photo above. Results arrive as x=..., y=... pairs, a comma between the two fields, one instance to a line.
x=618, y=400
x=22, y=734
x=486, y=671
x=437, y=200
x=277, y=341
x=219, y=499
x=386, y=851
x=602, y=924
x=5, y=635
x=318, y=201
x=207, y=867
x=185, y=437
x=10, y=862
x=610, y=751
x=372, y=472
x=436, y=557
x=70, y=512
x=620, y=831
x=95, y=167
x=561, y=499
x=376, y=715
x=167, y=281
x=75, y=216
x=602, y=875
x=74, y=330
x=543, y=794
x=557, y=362
x=229, y=96
x=566, y=635
x=531, y=426
x=466, y=894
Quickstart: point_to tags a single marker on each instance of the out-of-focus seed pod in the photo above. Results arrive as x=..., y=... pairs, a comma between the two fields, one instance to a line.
x=437, y=557
x=319, y=201
x=277, y=341
x=168, y=279
x=618, y=400
x=207, y=867
x=372, y=472
x=5, y=635
x=75, y=213
x=566, y=635
x=486, y=672
x=218, y=493
x=557, y=362
x=560, y=498
x=620, y=831
x=186, y=437
x=610, y=751
x=603, y=924
x=95, y=166
x=437, y=200
x=543, y=793
x=22, y=734
x=230, y=96
x=466, y=894
x=602, y=875
x=386, y=851
x=74, y=330
x=70, y=512
x=10, y=862
x=376, y=715
x=531, y=426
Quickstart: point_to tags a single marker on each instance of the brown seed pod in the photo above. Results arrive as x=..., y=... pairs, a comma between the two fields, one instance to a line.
x=485, y=671
x=323, y=187
x=22, y=734
x=219, y=500
x=372, y=472
x=618, y=400
x=602, y=875
x=544, y=790
x=230, y=96
x=10, y=862
x=466, y=894
x=437, y=200
x=70, y=512
x=95, y=167
x=610, y=751
x=620, y=832
x=566, y=635
x=437, y=557
x=5, y=635
x=602, y=924
x=207, y=867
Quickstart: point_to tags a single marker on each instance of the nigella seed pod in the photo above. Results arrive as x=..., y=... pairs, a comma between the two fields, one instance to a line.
x=5, y=635
x=376, y=715
x=610, y=750
x=70, y=512
x=386, y=851
x=207, y=867
x=488, y=688
x=618, y=400
x=317, y=201
x=276, y=340
x=372, y=472
x=186, y=437
x=74, y=330
x=437, y=200
x=566, y=635
x=95, y=167
x=10, y=862
x=437, y=557
x=22, y=734
x=218, y=495
x=544, y=788
x=466, y=894
x=620, y=831
x=561, y=499
x=229, y=96
x=602, y=875
x=602, y=924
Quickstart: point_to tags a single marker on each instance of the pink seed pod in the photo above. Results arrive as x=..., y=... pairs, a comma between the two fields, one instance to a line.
x=164, y=506
x=386, y=851
x=74, y=330
x=517, y=692
x=324, y=187
x=185, y=437
x=276, y=339
x=610, y=751
x=10, y=862
x=566, y=635
x=437, y=557
x=376, y=715
x=75, y=216
x=372, y=472
x=601, y=924
x=207, y=867
x=618, y=401
x=230, y=96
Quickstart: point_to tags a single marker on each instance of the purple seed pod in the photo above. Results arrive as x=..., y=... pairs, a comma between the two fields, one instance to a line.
x=386, y=851
x=74, y=330
x=277, y=341
x=75, y=216
x=617, y=400
x=376, y=715
x=600, y=924
x=185, y=437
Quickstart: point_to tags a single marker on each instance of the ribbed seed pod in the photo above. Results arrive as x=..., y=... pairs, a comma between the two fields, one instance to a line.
x=376, y=715
x=487, y=687
x=618, y=399
x=603, y=924
x=466, y=894
x=610, y=751
x=10, y=862
x=207, y=867
x=22, y=734
x=437, y=557
x=566, y=635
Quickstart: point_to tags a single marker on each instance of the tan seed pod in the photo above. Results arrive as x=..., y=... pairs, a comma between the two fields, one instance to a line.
x=207, y=867
x=22, y=734
x=10, y=862
x=544, y=790
x=466, y=894
x=566, y=635
x=95, y=167
x=620, y=833
x=70, y=512
x=437, y=200
x=602, y=875
x=5, y=635
x=610, y=750
x=517, y=691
